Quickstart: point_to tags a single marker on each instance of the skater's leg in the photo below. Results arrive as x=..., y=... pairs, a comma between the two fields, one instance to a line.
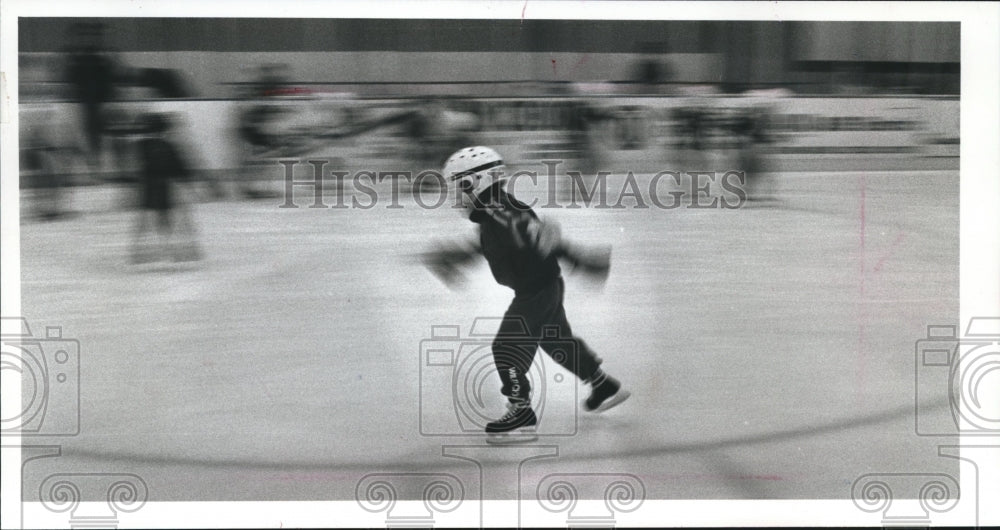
x=164, y=231
x=92, y=126
x=513, y=353
x=187, y=248
x=582, y=361
x=139, y=248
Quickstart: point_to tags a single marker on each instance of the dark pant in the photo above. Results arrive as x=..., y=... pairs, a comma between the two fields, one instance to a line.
x=534, y=320
x=93, y=125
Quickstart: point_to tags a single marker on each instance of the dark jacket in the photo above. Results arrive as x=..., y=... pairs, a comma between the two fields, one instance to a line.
x=162, y=166
x=505, y=242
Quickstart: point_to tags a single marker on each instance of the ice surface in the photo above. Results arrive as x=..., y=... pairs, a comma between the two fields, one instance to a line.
x=770, y=350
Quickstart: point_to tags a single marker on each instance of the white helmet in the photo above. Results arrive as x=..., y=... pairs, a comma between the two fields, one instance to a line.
x=473, y=169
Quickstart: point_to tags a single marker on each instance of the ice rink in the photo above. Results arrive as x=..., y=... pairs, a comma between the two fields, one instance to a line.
x=769, y=349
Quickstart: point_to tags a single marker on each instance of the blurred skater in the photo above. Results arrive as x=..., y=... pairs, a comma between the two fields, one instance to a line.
x=523, y=253
x=92, y=74
x=40, y=170
x=260, y=129
x=162, y=172
x=750, y=136
x=257, y=132
x=585, y=135
x=692, y=126
x=588, y=138
x=435, y=131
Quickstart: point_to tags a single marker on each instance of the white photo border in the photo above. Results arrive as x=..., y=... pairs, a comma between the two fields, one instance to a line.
x=979, y=225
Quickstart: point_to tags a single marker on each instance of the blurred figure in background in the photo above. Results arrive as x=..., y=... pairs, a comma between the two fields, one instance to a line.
x=258, y=128
x=588, y=139
x=40, y=170
x=426, y=130
x=691, y=124
x=437, y=131
x=91, y=74
x=749, y=129
x=651, y=72
x=121, y=127
x=255, y=131
x=630, y=131
x=162, y=171
x=273, y=80
x=49, y=145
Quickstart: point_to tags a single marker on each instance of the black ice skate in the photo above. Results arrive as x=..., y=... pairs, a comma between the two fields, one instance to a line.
x=607, y=393
x=516, y=426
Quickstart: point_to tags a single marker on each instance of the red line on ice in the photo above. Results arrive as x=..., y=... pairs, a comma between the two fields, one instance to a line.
x=892, y=249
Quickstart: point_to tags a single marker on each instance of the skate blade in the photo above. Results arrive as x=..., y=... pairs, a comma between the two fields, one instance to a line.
x=613, y=401
x=508, y=438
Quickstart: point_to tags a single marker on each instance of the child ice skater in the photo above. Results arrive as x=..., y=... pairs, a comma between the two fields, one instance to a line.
x=523, y=253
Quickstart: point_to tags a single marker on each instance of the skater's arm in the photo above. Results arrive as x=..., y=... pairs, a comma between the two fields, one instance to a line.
x=593, y=261
x=546, y=238
x=446, y=260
